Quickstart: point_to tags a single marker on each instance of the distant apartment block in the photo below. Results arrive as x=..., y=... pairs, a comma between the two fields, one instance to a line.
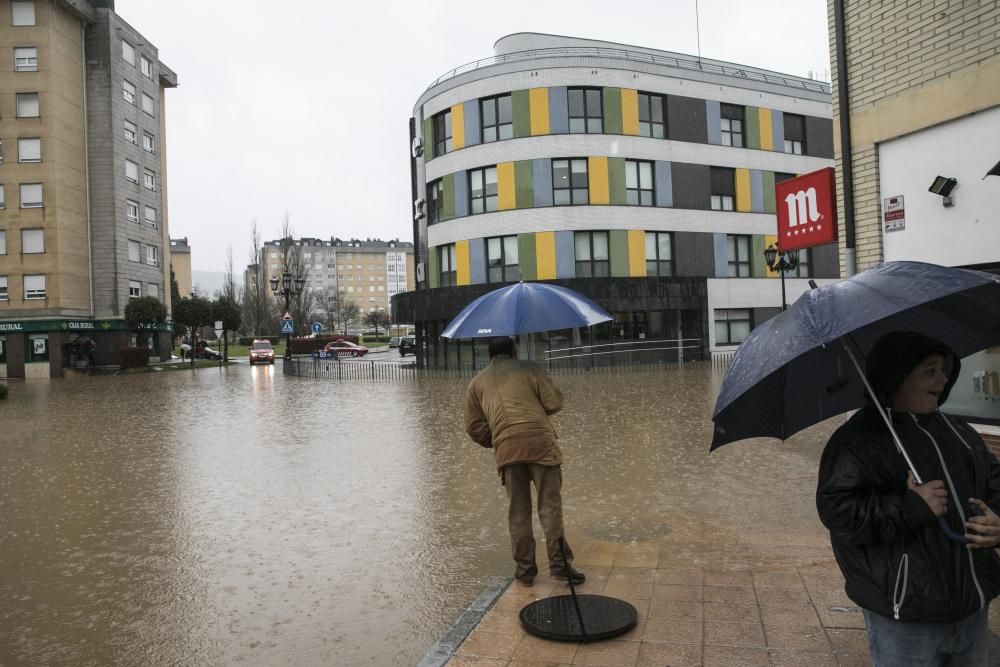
x=180, y=261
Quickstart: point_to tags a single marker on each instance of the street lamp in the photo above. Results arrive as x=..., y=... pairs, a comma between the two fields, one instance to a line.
x=287, y=291
x=781, y=262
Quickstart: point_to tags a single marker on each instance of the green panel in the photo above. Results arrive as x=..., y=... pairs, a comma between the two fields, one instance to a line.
x=524, y=189
x=428, y=139
x=757, y=267
x=448, y=187
x=768, y=184
x=753, y=127
x=616, y=181
x=521, y=107
x=618, y=240
x=528, y=263
x=612, y=111
x=433, y=268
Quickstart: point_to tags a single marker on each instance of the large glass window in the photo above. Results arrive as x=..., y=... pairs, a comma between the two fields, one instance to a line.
x=435, y=202
x=586, y=113
x=501, y=259
x=639, y=182
x=570, y=184
x=738, y=255
x=732, y=326
x=592, y=258
x=483, y=190
x=659, y=254
x=496, y=118
x=448, y=263
x=38, y=347
x=732, y=125
x=442, y=133
x=723, y=185
x=795, y=133
x=652, y=116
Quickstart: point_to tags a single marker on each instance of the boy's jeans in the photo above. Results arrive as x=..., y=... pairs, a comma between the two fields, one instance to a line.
x=898, y=644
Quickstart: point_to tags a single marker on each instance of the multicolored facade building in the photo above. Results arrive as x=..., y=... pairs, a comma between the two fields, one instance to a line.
x=642, y=178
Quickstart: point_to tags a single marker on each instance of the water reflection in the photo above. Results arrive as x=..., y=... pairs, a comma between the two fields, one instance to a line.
x=236, y=515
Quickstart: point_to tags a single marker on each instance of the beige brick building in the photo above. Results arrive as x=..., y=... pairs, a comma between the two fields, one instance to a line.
x=180, y=261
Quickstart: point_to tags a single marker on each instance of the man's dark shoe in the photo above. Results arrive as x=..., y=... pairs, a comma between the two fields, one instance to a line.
x=527, y=580
x=574, y=576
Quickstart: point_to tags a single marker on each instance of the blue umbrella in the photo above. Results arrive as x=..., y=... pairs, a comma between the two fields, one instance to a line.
x=525, y=308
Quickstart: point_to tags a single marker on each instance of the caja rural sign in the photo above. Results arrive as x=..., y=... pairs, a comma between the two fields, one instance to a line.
x=807, y=210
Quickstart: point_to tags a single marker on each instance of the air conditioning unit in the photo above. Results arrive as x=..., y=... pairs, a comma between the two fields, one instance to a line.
x=417, y=147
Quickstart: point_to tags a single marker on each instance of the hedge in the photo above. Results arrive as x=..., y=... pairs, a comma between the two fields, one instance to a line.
x=249, y=341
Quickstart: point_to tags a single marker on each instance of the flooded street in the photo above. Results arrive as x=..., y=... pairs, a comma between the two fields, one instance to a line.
x=238, y=516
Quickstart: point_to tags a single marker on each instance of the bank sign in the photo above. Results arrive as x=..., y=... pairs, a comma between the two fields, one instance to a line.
x=807, y=210
x=35, y=326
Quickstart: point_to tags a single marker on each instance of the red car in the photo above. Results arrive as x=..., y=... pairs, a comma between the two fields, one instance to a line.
x=343, y=348
x=261, y=352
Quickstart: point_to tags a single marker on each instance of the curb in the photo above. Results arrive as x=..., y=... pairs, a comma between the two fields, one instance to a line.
x=445, y=647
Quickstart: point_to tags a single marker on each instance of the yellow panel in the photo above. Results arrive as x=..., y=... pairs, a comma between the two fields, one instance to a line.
x=458, y=126
x=766, y=130
x=545, y=255
x=636, y=253
x=538, y=103
x=770, y=239
x=505, y=186
x=742, y=189
x=597, y=167
x=462, y=275
x=630, y=111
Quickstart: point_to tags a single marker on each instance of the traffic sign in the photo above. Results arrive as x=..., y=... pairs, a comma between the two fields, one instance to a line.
x=317, y=327
x=287, y=317
x=286, y=327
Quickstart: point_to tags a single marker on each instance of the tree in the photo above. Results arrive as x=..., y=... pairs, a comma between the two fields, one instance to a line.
x=377, y=318
x=228, y=312
x=175, y=292
x=143, y=314
x=193, y=313
x=258, y=303
x=293, y=262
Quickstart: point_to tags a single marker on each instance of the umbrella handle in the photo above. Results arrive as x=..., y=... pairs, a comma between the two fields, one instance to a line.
x=949, y=533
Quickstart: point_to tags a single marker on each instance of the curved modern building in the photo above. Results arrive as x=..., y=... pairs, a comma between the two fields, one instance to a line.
x=642, y=178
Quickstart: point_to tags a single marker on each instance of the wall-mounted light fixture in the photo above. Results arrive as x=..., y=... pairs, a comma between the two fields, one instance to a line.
x=943, y=186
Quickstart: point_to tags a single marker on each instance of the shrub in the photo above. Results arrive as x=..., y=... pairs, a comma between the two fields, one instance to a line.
x=248, y=340
x=133, y=357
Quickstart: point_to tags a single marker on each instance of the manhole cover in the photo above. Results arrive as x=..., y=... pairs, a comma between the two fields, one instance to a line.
x=556, y=618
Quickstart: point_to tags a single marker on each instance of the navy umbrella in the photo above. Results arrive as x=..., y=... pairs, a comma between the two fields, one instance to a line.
x=525, y=308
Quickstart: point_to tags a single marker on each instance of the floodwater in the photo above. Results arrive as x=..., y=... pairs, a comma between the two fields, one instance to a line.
x=238, y=516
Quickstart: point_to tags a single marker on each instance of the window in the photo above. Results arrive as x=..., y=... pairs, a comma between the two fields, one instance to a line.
x=25, y=59
x=146, y=67
x=795, y=134
x=483, y=190
x=148, y=179
x=38, y=346
x=131, y=210
x=723, y=184
x=585, y=111
x=570, y=182
x=501, y=259
x=592, y=259
x=147, y=105
x=732, y=125
x=131, y=171
x=803, y=268
x=133, y=251
x=34, y=287
x=659, y=254
x=3, y=198
x=731, y=326
x=153, y=290
x=27, y=105
x=152, y=255
x=148, y=143
x=32, y=241
x=447, y=262
x=130, y=132
x=29, y=150
x=151, y=216
x=134, y=289
x=497, y=118
x=4, y=296
x=31, y=195
x=442, y=132
x=1, y=151
x=738, y=254
x=639, y=182
x=3, y=242
x=651, y=116
x=22, y=13
x=128, y=53
x=128, y=91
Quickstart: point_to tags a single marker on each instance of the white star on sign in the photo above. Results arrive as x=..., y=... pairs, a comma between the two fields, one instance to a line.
x=818, y=227
x=789, y=234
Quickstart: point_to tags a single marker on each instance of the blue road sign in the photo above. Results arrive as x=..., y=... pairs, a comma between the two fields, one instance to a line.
x=317, y=327
x=286, y=327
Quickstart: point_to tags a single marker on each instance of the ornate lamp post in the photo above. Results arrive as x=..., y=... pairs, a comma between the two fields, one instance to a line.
x=283, y=287
x=781, y=262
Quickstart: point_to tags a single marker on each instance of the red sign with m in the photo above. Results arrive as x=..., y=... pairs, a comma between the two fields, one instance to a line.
x=807, y=210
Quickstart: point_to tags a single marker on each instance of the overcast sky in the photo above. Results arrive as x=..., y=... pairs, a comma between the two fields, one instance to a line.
x=302, y=106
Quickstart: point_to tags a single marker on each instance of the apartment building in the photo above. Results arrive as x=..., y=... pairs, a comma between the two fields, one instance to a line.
x=83, y=215
x=180, y=261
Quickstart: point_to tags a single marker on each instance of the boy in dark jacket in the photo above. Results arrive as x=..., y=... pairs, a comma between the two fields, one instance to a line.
x=924, y=595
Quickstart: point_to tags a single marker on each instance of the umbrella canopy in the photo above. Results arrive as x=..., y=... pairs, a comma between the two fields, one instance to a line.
x=793, y=372
x=525, y=308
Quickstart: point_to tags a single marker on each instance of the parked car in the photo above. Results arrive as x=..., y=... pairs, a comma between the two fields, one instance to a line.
x=262, y=352
x=394, y=342
x=205, y=352
x=407, y=345
x=343, y=348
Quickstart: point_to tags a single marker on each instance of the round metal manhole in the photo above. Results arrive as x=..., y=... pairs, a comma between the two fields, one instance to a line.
x=556, y=618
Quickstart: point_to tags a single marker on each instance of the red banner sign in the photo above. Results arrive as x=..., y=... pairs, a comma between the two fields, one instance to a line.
x=807, y=210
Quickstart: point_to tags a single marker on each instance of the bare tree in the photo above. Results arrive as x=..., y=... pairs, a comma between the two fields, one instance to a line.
x=293, y=261
x=258, y=302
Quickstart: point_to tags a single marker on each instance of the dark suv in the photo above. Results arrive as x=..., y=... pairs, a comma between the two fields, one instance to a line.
x=407, y=345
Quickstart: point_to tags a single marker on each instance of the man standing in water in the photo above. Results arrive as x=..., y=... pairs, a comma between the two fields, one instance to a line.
x=507, y=408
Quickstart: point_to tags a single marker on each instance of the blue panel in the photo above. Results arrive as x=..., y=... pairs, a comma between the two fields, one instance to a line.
x=541, y=176
x=558, y=110
x=461, y=195
x=565, y=255
x=756, y=191
x=472, y=129
x=477, y=261
x=714, y=115
x=721, y=256
x=778, y=130
x=664, y=183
